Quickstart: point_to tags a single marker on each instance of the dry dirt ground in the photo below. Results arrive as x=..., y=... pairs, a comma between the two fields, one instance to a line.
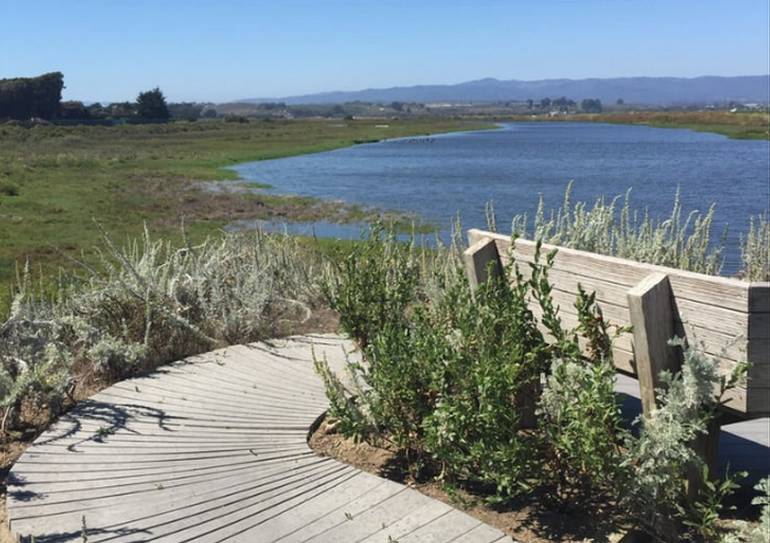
x=526, y=520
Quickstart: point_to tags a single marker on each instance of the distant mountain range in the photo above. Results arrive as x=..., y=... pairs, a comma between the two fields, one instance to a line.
x=633, y=90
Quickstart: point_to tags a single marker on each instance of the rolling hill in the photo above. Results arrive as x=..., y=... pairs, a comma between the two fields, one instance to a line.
x=636, y=90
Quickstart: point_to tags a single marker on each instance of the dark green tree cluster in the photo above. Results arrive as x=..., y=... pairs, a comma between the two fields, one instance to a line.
x=591, y=105
x=151, y=105
x=562, y=104
x=26, y=97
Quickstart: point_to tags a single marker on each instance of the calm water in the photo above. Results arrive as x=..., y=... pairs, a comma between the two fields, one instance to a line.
x=440, y=176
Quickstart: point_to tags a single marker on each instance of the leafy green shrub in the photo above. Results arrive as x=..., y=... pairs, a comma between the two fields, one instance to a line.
x=582, y=428
x=449, y=374
x=486, y=356
x=373, y=285
x=145, y=305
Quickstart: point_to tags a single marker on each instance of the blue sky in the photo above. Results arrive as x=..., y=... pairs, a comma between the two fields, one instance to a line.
x=209, y=50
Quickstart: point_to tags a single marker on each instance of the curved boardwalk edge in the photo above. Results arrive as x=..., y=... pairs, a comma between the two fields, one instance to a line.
x=213, y=448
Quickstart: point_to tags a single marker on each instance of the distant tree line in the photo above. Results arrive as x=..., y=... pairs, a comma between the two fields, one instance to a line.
x=27, y=97
x=591, y=105
x=564, y=104
x=150, y=106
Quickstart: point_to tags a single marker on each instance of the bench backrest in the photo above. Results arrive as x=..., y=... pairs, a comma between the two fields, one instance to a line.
x=730, y=318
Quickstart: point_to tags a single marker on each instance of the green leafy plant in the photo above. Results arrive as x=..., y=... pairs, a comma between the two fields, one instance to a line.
x=488, y=373
x=702, y=516
x=582, y=430
x=450, y=376
x=373, y=285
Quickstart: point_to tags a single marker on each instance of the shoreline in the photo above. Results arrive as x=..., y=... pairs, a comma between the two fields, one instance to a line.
x=338, y=212
x=736, y=126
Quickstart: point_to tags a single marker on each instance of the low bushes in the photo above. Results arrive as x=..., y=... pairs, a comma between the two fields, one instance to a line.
x=146, y=305
x=451, y=379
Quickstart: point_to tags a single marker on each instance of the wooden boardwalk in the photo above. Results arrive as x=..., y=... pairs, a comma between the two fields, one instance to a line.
x=214, y=448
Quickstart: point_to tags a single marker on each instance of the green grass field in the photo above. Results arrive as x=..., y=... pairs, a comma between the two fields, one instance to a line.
x=739, y=125
x=56, y=181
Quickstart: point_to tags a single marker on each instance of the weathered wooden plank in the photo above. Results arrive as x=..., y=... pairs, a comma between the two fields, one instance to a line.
x=717, y=343
x=720, y=291
x=714, y=290
x=442, y=529
x=728, y=350
x=693, y=313
x=358, y=527
x=409, y=523
x=213, y=448
x=650, y=307
x=342, y=511
x=736, y=399
x=482, y=534
x=481, y=262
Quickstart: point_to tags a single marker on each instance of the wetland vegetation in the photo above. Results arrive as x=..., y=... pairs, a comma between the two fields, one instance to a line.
x=749, y=125
x=55, y=181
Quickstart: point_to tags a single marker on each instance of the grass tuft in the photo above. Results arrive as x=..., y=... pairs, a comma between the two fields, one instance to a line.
x=9, y=189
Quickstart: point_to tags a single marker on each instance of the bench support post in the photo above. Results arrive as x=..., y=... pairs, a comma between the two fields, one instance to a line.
x=481, y=259
x=650, y=304
x=650, y=307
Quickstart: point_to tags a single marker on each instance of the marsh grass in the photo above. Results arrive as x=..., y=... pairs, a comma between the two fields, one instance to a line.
x=739, y=125
x=612, y=227
x=755, y=249
x=66, y=176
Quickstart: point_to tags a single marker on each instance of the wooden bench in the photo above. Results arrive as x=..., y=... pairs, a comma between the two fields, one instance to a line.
x=728, y=317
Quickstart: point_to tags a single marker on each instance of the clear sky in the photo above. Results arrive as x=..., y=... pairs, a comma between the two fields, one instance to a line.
x=217, y=50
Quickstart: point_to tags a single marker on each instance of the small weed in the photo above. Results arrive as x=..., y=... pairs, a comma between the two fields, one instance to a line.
x=9, y=189
x=105, y=431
